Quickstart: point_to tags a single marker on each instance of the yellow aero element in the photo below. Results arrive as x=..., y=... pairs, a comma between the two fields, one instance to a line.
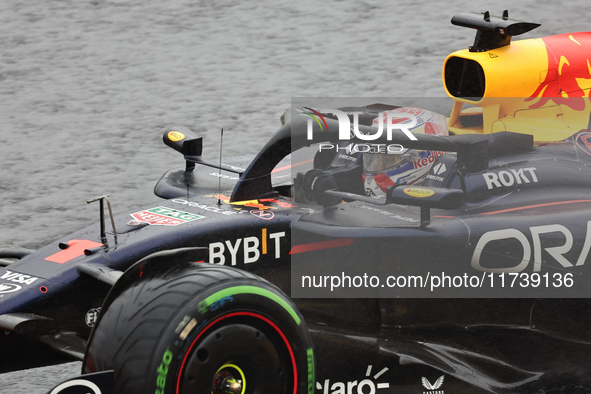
x=528, y=87
x=420, y=192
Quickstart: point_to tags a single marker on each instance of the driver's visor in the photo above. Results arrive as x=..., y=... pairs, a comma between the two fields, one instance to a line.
x=378, y=162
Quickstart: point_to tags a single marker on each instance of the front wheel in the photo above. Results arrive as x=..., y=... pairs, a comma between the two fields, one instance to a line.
x=199, y=328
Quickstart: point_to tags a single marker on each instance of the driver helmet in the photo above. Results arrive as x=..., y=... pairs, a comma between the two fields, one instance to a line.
x=406, y=166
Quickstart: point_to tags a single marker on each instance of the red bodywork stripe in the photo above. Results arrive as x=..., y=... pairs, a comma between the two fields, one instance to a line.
x=334, y=243
x=534, y=206
x=548, y=204
x=287, y=167
x=76, y=249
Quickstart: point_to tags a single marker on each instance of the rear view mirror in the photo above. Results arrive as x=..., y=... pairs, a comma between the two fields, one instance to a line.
x=183, y=141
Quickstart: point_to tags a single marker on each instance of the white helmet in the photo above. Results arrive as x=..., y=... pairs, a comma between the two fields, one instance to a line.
x=381, y=170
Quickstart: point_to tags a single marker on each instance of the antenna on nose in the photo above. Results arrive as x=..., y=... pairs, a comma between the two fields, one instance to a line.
x=220, y=168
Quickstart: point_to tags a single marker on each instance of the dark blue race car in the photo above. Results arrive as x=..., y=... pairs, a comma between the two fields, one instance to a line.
x=309, y=270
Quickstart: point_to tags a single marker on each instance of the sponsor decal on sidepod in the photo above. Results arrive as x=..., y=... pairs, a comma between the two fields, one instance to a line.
x=369, y=385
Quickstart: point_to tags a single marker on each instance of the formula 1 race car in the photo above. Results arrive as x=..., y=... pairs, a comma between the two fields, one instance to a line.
x=418, y=255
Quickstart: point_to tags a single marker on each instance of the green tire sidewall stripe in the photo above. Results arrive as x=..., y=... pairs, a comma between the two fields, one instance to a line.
x=311, y=370
x=251, y=290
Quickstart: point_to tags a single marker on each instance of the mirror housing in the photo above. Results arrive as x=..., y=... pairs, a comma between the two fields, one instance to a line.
x=183, y=141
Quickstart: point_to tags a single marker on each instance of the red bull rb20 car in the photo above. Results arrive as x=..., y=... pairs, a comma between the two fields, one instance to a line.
x=468, y=278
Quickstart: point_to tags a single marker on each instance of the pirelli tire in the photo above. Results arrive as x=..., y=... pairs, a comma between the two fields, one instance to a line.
x=201, y=329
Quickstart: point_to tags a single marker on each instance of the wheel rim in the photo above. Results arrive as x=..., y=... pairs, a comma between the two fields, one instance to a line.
x=243, y=353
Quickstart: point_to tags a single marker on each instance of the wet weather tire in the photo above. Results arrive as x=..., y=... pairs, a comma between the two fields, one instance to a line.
x=202, y=329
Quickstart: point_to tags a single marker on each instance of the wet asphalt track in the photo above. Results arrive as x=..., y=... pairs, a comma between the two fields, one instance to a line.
x=86, y=87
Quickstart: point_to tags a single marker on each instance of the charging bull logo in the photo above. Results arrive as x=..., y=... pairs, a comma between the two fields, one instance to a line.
x=568, y=77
